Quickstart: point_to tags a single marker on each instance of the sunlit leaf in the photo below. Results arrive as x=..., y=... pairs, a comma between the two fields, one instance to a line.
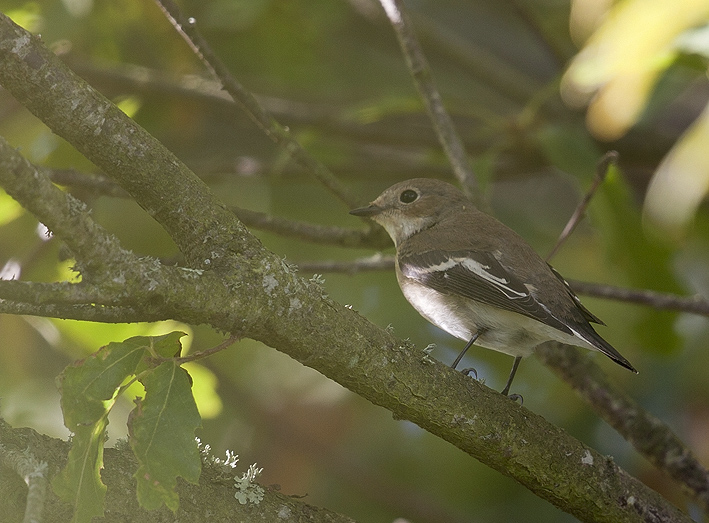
x=164, y=346
x=204, y=390
x=682, y=180
x=621, y=62
x=168, y=345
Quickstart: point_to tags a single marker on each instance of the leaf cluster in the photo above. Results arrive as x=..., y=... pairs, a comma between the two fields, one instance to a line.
x=161, y=426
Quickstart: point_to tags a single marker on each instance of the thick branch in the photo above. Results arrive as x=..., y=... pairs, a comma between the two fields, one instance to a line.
x=81, y=312
x=158, y=181
x=63, y=214
x=63, y=293
x=34, y=474
x=213, y=495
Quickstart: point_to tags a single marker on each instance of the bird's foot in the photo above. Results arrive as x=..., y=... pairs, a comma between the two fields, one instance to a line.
x=469, y=371
x=515, y=397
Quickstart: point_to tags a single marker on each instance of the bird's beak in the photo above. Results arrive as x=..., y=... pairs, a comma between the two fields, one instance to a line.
x=370, y=210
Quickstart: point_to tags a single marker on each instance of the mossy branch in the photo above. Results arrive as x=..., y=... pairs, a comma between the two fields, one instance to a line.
x=214, y=495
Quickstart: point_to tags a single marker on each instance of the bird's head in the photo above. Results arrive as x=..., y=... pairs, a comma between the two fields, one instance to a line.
x=411, y=206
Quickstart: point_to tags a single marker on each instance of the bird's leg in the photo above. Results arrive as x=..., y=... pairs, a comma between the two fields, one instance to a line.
x=512, y=375
x=469, y=344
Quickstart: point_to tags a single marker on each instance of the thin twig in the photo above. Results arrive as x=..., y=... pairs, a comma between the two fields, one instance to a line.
x=328, y=235
x=280, y=134
x=34, y=473
x=98, y=184
x=377, y=262
x=207, y=352
x=657, y=300
x=608, y=159
x=423, y=78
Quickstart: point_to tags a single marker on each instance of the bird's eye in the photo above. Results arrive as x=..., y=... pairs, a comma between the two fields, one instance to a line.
x=408, y=196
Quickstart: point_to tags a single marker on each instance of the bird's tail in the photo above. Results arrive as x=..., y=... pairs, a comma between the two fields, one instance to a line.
x=594, y=339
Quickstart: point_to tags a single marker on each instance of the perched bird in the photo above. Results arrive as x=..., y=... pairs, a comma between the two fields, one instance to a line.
x=477, y=279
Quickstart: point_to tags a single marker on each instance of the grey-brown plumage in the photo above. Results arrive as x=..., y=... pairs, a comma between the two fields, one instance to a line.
x=477, y=279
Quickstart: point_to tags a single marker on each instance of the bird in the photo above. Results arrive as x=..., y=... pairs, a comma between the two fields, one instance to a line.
x=475, y=278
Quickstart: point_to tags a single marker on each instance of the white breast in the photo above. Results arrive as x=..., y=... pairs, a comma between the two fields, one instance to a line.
x=505, y=331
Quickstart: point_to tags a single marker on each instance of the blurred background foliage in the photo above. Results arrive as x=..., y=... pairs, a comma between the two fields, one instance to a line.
x=333, y=73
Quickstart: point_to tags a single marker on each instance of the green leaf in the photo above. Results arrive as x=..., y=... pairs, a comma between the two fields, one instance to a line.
x=165, y=346
x=79, y=483
x=161, y=429
x=168, y=345
x=87, y=384
x=88, y=388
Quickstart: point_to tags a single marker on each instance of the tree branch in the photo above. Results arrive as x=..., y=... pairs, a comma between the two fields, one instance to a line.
x=215, y=491
x=650, y=436
x=657, y=300
x=64, y=293
x=84, y=312
x=120, y=147
x=34, y=474
x=95, y=184
x=608, y=159
x=344, y=237
x=61, y=213
x=330, y=235
x=376, y=262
